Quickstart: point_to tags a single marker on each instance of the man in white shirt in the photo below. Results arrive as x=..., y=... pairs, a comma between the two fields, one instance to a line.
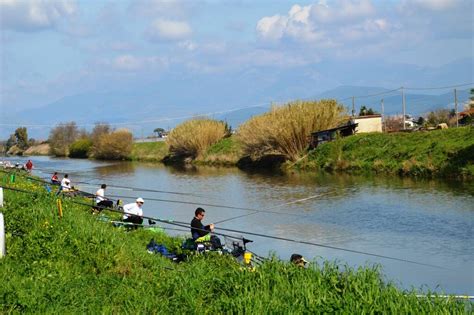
x=133, y=212
x=100, y=200
x=66, y=183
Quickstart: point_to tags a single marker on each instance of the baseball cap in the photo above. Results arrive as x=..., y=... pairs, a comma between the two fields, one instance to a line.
x=140, y=200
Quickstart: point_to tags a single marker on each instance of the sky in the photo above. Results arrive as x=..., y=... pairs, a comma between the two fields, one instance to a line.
x=51, y=49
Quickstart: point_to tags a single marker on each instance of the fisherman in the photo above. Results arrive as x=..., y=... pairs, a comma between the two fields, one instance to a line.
x=100, y=200
x=55, y=179
x=200, y=232
x=298, y=260
x=66, y=184
x=133, y=212
x=29, y=166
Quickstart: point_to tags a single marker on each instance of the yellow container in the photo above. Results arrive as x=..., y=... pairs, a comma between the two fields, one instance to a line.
x=247, y=257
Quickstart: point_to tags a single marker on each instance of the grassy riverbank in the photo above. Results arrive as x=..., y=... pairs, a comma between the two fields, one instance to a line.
x=149, y=151
x=79, y=264
x=439, y=153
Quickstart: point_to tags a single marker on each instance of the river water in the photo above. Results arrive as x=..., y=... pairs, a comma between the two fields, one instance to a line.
x=427, y=221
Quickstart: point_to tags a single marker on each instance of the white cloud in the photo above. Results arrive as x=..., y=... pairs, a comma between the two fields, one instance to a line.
x=28, y=16
x=162, y=29
x=321, y=23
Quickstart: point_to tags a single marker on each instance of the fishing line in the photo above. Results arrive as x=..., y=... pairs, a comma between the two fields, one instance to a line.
x=280, y=205
x=91, y=195
x=137, y=189
x=183, y=224
x=215, y=205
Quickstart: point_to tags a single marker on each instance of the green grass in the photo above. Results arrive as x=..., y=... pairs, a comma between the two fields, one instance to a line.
x=440, y=153
x=226, y=152
x=78, y=264
x=149, y=151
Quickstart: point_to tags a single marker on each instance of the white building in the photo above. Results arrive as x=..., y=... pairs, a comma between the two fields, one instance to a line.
x=369, y=123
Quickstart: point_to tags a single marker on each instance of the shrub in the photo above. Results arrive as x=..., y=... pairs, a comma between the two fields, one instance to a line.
x=285, y=130
x=61, y=137
x=194, y=136
x=80, y=148
x=114, y=146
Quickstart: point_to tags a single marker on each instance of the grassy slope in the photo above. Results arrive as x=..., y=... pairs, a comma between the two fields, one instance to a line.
x=225, y=152
x=149, y=151
x=447, y=153
x=78, y=264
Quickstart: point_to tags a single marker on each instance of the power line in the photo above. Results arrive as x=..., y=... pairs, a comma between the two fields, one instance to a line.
x=439, y=87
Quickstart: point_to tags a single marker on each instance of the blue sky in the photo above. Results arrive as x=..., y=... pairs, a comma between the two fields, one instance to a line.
x=52, y=49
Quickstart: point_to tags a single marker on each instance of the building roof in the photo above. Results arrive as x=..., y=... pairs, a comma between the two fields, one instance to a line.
x=346, y=126
x=368, y=116
x=467, y=112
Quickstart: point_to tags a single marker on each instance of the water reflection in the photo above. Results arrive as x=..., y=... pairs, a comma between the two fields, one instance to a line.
x=422, y=220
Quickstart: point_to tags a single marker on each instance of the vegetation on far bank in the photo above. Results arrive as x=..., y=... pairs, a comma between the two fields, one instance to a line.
x=82, y=264
x=285, y=130
x=447, y=153
x=193, y=137
x=149, y=151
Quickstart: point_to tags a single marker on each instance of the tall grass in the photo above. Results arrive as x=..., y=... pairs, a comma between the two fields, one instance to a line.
x=116, y=145
x=79, y=264
x=285, y=130
x=193, y=137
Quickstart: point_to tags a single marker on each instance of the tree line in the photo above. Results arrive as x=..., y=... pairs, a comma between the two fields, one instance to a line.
x=103, y=142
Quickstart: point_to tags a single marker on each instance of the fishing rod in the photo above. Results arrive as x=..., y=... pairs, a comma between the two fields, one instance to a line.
x=278, y=206
x=183, y=224
x=214, y=205
x=183, y=202
x=132, y=188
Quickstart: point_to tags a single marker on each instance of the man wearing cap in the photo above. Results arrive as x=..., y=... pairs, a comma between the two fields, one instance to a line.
x=133, y=212
x=298, y=260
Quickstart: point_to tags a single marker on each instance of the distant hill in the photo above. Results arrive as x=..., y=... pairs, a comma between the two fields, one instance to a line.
x=416, y=104
x=143, y=112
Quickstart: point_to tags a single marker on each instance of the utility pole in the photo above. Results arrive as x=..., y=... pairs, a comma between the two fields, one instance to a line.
x=381, y=103
x=403, y=105
x=456, y=107
x=353, y=107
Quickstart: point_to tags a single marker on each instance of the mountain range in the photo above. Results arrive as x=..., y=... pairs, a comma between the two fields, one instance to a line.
x=138, y=113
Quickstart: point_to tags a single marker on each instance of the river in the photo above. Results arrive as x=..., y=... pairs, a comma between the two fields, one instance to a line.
x=426, y=221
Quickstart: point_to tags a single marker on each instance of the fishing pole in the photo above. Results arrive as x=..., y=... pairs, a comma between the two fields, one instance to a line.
x=135, y=188
x=328, y=246
x=182, y=202
x=280, y=205
x=183, y=224
x=206, y=204
x=215, y=205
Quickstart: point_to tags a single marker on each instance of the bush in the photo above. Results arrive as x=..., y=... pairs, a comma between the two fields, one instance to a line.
x=61, y=137
x=114, y=146
x=285, y=130
x=80, y=148
x=193, y=137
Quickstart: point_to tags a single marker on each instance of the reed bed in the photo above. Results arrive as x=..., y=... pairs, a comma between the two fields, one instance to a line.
x=193, y=137
x=79, y=264
x=285, y=130
x=116, y=145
